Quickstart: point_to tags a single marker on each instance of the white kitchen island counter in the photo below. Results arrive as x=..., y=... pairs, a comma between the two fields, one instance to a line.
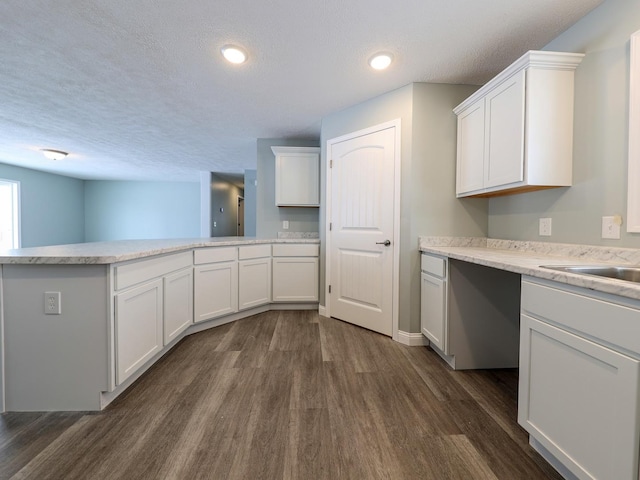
x=124, y=304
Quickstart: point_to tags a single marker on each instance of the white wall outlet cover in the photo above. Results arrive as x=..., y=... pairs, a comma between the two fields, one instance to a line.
x=52, y=303
x=285, y=224
x=544, y=228
x=611, y=227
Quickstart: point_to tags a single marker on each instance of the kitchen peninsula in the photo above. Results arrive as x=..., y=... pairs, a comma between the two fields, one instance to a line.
x=82, y=322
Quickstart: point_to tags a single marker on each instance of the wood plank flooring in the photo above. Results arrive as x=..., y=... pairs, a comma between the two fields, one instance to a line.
x=286, y=395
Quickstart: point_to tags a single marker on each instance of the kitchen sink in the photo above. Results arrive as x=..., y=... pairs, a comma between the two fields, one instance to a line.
x=629, y=274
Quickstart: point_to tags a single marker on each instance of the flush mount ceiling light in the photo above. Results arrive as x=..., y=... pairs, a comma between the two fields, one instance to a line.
x=380, y=61
x=234, y=54
x=53, y=154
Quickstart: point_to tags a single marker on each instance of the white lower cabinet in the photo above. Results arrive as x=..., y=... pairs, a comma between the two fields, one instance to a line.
x=254, y=283
x=215, y=290
x=295, y=279
x=579, y=394
x=138, y=327
x=433, y=301
x=178, y=303
x=295, y=273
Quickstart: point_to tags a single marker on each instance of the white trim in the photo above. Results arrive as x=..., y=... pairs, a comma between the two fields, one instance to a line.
x=16, y=214
x=633, y=162
x=395, y=310
x=412, y=339
x=322, y=311
x=2, y=389
x=205, y=204
x=531, y=59
x=278, y=150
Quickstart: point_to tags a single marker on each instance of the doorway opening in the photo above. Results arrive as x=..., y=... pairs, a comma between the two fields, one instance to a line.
x=9, y=214
x=240, y=231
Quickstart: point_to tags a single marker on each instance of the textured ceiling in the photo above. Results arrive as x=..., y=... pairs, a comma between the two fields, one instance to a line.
x=136, y=89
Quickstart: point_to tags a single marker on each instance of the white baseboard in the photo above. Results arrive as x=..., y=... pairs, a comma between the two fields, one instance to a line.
x=322, y=310
x=412, y=339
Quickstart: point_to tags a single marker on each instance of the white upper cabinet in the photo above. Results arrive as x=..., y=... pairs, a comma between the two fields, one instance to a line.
x=297, y=176
x=515, y=134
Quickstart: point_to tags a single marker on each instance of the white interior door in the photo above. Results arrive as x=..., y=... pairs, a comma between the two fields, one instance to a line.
x=362, y=234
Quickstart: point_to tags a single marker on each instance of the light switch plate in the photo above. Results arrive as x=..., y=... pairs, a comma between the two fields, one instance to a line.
x=285, y=224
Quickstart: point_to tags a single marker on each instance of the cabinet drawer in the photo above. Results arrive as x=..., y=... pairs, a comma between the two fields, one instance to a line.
x=288, y=250
x=254, y=251
x=433, y=265
x=613, y=324
x=137, y=272
x=214, y=255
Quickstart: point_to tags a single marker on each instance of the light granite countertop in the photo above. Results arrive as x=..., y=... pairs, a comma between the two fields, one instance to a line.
x=122, y=250
x=526, y=258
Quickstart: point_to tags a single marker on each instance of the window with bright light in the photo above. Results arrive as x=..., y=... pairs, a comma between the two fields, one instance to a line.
x=9, y=214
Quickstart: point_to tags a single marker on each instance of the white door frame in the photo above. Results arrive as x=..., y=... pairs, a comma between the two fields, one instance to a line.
x=395, y=309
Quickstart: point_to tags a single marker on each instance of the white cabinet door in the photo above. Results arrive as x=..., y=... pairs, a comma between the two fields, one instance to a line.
x=295, y=279
x=433, y=311
x=138, y=327
x=215, y=290
x=579, y=400
x=297, y=176
x=254, y=282
x=470, y=155
x=504, y=133
x=178, y=303
x=518, y=128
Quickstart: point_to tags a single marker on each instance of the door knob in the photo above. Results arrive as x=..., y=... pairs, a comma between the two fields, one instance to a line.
x=386, y=243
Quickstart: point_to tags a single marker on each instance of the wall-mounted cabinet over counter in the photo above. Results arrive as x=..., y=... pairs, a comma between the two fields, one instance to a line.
x=297, y=176
x=515, y=134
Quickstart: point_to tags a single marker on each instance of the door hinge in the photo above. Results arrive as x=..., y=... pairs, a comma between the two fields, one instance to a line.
x=330, y=163
x=330, y=226
x=329, y=288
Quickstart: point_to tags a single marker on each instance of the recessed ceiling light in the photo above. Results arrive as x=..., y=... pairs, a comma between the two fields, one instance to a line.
x=380, y=61
x=53, y=154
x=234, y=54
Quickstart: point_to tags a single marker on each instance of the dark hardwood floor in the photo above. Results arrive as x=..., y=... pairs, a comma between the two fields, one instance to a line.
x=286, y=395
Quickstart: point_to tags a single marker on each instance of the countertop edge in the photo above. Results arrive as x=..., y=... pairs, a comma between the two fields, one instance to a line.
x=132, y=250
x=529, y=264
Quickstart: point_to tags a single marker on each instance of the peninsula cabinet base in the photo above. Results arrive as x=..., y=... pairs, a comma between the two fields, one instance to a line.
x=44, y=395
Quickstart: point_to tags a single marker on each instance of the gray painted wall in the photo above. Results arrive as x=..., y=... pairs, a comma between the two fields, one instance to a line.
x=119, y=210
x=52, y=206
x=600, y=139
x=269, y=218
x=250, y=202
x=224, y=195
x=428, y=203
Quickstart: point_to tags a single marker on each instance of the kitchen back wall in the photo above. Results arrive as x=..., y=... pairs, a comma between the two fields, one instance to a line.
x=600, y=139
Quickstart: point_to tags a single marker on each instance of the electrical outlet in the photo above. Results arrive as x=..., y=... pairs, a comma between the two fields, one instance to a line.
x=285, y=224
x=611, y=227
x=215, y=224
x=52, y=303
x=544, y=229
